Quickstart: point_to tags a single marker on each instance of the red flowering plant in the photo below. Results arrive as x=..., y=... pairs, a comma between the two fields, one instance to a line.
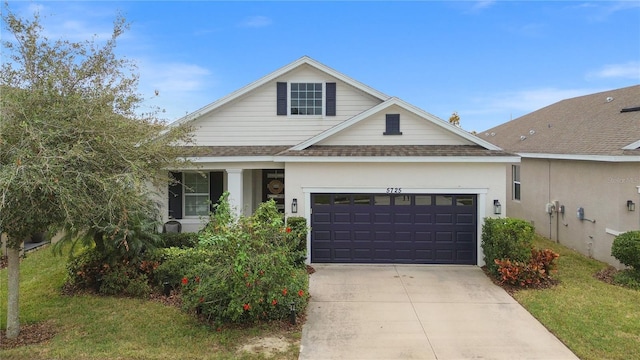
x=252, y=263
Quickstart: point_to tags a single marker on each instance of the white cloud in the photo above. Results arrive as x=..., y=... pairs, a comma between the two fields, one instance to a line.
x=181, y=87
x=256, y=22
x=629, y=70
x=483, y=4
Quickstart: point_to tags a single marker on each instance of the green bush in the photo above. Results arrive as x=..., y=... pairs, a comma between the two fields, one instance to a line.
x=94, y=270
x=250, y=272
x=176, y=263
x=179, y=240
x=297, y=233
x=506, y=238
x=628, y=278
x=626, y=248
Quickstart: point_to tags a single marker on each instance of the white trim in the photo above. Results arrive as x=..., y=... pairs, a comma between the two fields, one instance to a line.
x=406, y=106
x=613, y=232
x=632, y=146
x=383, y=190
x=398, y=159
x=230, y=159
x=605, y=158
x=272, y=76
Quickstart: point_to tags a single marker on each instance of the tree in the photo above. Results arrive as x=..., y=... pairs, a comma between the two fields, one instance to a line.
x=455, y=119
x=75, y=152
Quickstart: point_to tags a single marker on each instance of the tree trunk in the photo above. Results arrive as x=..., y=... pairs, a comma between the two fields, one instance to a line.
x=13, y=289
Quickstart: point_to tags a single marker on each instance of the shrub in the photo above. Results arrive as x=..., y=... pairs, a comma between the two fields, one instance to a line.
x=176, y=263
x=96, y=271
x=626, y=248
x=628, y=278
x=527, y=274
x=179, y=240
x=297, y=234
x=506, y=238
x=250, y=272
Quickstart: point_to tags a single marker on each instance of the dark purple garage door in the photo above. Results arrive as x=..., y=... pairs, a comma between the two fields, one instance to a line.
x=394, y=228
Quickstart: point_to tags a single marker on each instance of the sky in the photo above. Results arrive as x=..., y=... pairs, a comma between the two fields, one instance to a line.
x=490, y=61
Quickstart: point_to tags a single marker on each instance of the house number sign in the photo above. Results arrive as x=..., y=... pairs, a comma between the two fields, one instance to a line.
x=394, y=190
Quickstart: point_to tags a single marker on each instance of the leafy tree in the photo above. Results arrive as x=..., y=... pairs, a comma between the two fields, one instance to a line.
x=454, y=119
x=75, y=152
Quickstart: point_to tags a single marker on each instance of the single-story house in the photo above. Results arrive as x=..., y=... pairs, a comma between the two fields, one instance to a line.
x=579, y=176
x=378, y=179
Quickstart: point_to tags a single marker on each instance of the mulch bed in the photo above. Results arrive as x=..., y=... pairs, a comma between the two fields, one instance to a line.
x=606, y=274
x=29, y=335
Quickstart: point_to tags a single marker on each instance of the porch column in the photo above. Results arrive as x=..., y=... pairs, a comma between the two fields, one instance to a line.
x=235, y=188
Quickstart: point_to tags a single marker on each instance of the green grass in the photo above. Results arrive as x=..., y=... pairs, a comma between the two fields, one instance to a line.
x=93, y=327
x=594, y=319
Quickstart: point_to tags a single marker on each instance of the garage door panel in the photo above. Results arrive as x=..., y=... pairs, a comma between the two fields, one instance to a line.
x=342, y=218
x=321, y=218
x=444, y=237
x=382, y=218
x=423, y=218
x=444, y=219
x=444, y=256
x=362, y=236
x=465, y=219
x=465, y=237
x=374, y=228
x=402, y=218
x=362, y=218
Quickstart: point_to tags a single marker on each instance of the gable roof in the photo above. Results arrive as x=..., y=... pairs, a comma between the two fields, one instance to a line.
x=305, y=60
x=404, y=105
x=602, y=126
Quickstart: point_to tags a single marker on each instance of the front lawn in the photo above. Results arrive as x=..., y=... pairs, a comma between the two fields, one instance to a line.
x=594, y=319
x=95, y=327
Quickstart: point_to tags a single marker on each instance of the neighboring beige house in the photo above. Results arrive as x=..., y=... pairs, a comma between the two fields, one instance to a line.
x=580, y=153
x=378, y=180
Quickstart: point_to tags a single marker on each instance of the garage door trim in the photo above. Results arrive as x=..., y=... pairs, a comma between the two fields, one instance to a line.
x=481, y=206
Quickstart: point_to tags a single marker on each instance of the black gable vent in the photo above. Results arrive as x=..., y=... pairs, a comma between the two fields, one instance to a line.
x=630, y=109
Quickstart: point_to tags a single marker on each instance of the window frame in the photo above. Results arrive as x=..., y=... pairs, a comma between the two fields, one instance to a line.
x=516, y=187
x=392, y=124
x=323, y=98
x=187, y=193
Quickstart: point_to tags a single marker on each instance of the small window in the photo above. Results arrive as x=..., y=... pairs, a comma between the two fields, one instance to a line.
x=464, y=200
x=402, y=200
x=196, y=194
x=423, y=199
x=322, y=199
x=361, y=199
x=515, y=172
x=306, y=98
x=392, y=125
x=381, y=200
x=342, y=200
x=444, y=200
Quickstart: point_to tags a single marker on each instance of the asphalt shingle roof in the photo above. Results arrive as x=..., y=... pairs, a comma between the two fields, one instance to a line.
x=585, y=125
x=396, y=150
x=342, y=151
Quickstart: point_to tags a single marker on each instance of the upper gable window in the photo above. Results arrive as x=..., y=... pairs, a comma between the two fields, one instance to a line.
x=306, y=98
x=315, y=99
x=393, y=125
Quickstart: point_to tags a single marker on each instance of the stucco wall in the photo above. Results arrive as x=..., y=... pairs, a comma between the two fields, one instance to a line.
x=601, y=188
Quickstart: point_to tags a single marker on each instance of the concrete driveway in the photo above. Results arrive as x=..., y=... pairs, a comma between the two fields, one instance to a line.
x=418, y=312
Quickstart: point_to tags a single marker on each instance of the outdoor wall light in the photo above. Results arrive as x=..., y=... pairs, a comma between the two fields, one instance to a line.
x=294, y=206
x=497, y=208
x=631, y=206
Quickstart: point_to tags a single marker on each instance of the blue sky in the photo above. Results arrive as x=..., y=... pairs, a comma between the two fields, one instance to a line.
x=488, y=60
